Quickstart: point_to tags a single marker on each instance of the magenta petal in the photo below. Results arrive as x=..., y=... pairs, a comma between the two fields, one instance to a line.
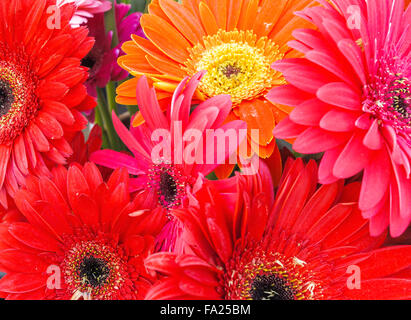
x=364, y=122
x=287, y=129
x=285, y=64
x=404, y=191
x=341, y=95
x=221, y=153
x=288, y=95
x=380, y=221
x=316, y=140
x=339, y=121
x=298, y=46
x=113, y=159
x=149, y=107
x=329, y=63
x=129, y=140
x=373, y=139
x=139, y=183
x=353, y=54
x=397, y=224
x=310, y=112
x=309, y=37
x=298, y=76
x=374, y=211
x=325, y=170
x=353, y=159
x=222, y=102
x=375, y=182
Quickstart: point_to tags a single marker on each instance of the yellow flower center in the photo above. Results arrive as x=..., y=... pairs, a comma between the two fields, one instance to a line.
x=237, y=64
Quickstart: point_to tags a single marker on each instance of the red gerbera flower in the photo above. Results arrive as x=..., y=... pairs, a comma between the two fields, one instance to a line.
x=302, y=249
x=41, y=89
x=79, y=239
x=352, y=97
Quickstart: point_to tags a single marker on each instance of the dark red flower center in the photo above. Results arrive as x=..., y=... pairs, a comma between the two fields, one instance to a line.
x=169, y=184
x=271, y=287
x=168, y=187
x=94, y=271
x=257, y=274
x=388, y=96
x=93, y=61
x=401, y=99
x=18, y=99
x=231, y=70
x=6, y=97
x=88, y=62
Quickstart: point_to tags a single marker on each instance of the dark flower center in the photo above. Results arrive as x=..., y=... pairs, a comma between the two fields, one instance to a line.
x=168, y=187
x=94, y=271
x=401, y=107
x=271, y=287
x=231, y=70
x=6, y=97
x=88, y=62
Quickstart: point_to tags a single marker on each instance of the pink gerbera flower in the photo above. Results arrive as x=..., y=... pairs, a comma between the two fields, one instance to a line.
x=86, y=9
x=352, y=97
x=166, y=180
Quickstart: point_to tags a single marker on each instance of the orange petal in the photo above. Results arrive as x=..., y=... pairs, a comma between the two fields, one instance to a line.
x=165, y=37
x=207, y=18
x=224, y=171
x=183, y=20
x=263, y=152
x=268, y=16
x=166, y=67
x=148, y=47
x=274, y=163
x=258, y=115
x=193, y=6
x=219, y=9
x=280, y=112
x=126, y=101
x=128, y=88
x=248, y=15
x=234, y=10
x=155, y=9
x=136, y=63
x=129, y=47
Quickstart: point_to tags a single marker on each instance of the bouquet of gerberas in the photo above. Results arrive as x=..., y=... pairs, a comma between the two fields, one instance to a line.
x=205, y=149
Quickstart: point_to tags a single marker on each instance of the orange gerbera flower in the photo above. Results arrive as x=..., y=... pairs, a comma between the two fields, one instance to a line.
x=236, y=41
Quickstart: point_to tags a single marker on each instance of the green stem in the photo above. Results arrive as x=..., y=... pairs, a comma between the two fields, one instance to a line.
x=107, y=120
x=110, y=24
x=111, y=96
x=138, y=5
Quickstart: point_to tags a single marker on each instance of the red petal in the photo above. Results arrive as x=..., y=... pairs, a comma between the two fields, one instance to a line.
x=22, y=282
x=386, y=261
x=32, y=237
x=49, y=125
x=4, y=160
x=76, y=184
x=19, y=261
x=59, y=111
x=381, y=289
